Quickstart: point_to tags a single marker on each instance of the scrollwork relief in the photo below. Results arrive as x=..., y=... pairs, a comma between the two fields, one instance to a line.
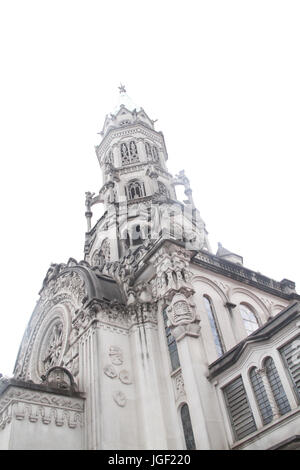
x=124, y=377
x=116, y=355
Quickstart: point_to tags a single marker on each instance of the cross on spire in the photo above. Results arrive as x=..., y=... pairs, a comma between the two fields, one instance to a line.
x=122, y=88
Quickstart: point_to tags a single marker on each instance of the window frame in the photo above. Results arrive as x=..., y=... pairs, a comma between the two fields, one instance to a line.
x=190, y=425
x=265, y=419
x=229, y=408
x=287, y=370
x=131, y=157
x=277, y=385
x=129, y=186
x=216, y=325
x=251, y=311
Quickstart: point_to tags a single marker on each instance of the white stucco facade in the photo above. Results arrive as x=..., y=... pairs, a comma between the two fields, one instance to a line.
x=152, y=341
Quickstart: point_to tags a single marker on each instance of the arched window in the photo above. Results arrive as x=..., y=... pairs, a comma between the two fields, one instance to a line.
x=261, y=396
x=214, y=325
x=249, y=319
x=187, y=427
x=110, y=157
x=276, y=386
x=136, y=235
x=135, y=190
x=172, y=346
x=105, y=249
x=148, y=151
x=125, y=154
x=129, y=154
x=155, y=154
x=133, y=152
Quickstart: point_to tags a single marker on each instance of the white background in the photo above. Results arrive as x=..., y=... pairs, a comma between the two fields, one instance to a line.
x=221, y=77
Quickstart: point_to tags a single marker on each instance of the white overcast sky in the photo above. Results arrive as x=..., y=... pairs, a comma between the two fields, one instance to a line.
x=223, y=80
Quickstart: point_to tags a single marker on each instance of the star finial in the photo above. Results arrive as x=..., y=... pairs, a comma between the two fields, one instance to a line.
x=122, y=88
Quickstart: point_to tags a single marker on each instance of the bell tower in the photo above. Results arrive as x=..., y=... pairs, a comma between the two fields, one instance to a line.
x=138, y=192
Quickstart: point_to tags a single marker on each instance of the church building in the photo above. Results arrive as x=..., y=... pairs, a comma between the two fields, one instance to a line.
x=153, y=341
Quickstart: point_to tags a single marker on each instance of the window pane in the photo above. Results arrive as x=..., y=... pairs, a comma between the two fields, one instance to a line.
x=291, y=356
x=214, y=326
x=261, y=396
x=249, y=319
x=239, y=410
x=276, y=386
x=187, y=428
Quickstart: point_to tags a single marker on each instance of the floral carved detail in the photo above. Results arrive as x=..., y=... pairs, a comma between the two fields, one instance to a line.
x=70, y=282
x=173, y=275
x=52, y=352
x=116, y=355
x=179, y=385
x=29, y=342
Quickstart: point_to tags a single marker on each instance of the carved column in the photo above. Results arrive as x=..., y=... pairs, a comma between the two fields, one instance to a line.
x=153, y=175
x=185, y=327
x=89, y=215
x=173, y=285
x=89, y=379
x=146, y=364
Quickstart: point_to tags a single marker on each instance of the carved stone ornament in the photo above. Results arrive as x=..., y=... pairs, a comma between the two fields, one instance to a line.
x=59, y=377
x=45, y=408
x=173, y=274
x=182, y=317
x=110, y=371
x=116, y=355
x=120, y=398
x=124, y=376
x=179, y=385
x=69, y=281
x=181, y=311
x=51, y=349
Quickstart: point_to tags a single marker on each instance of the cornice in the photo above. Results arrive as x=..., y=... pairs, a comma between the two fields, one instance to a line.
x=245, y=275
x=127, y=131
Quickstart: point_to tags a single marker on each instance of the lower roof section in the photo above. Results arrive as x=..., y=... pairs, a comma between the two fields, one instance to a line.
x=263, y=333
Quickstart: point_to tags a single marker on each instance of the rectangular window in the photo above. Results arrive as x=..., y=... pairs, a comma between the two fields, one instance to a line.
x=290, y=354
x=240, y=413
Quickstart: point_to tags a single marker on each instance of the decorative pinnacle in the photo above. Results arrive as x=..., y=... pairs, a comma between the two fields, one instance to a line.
x=122, y=88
